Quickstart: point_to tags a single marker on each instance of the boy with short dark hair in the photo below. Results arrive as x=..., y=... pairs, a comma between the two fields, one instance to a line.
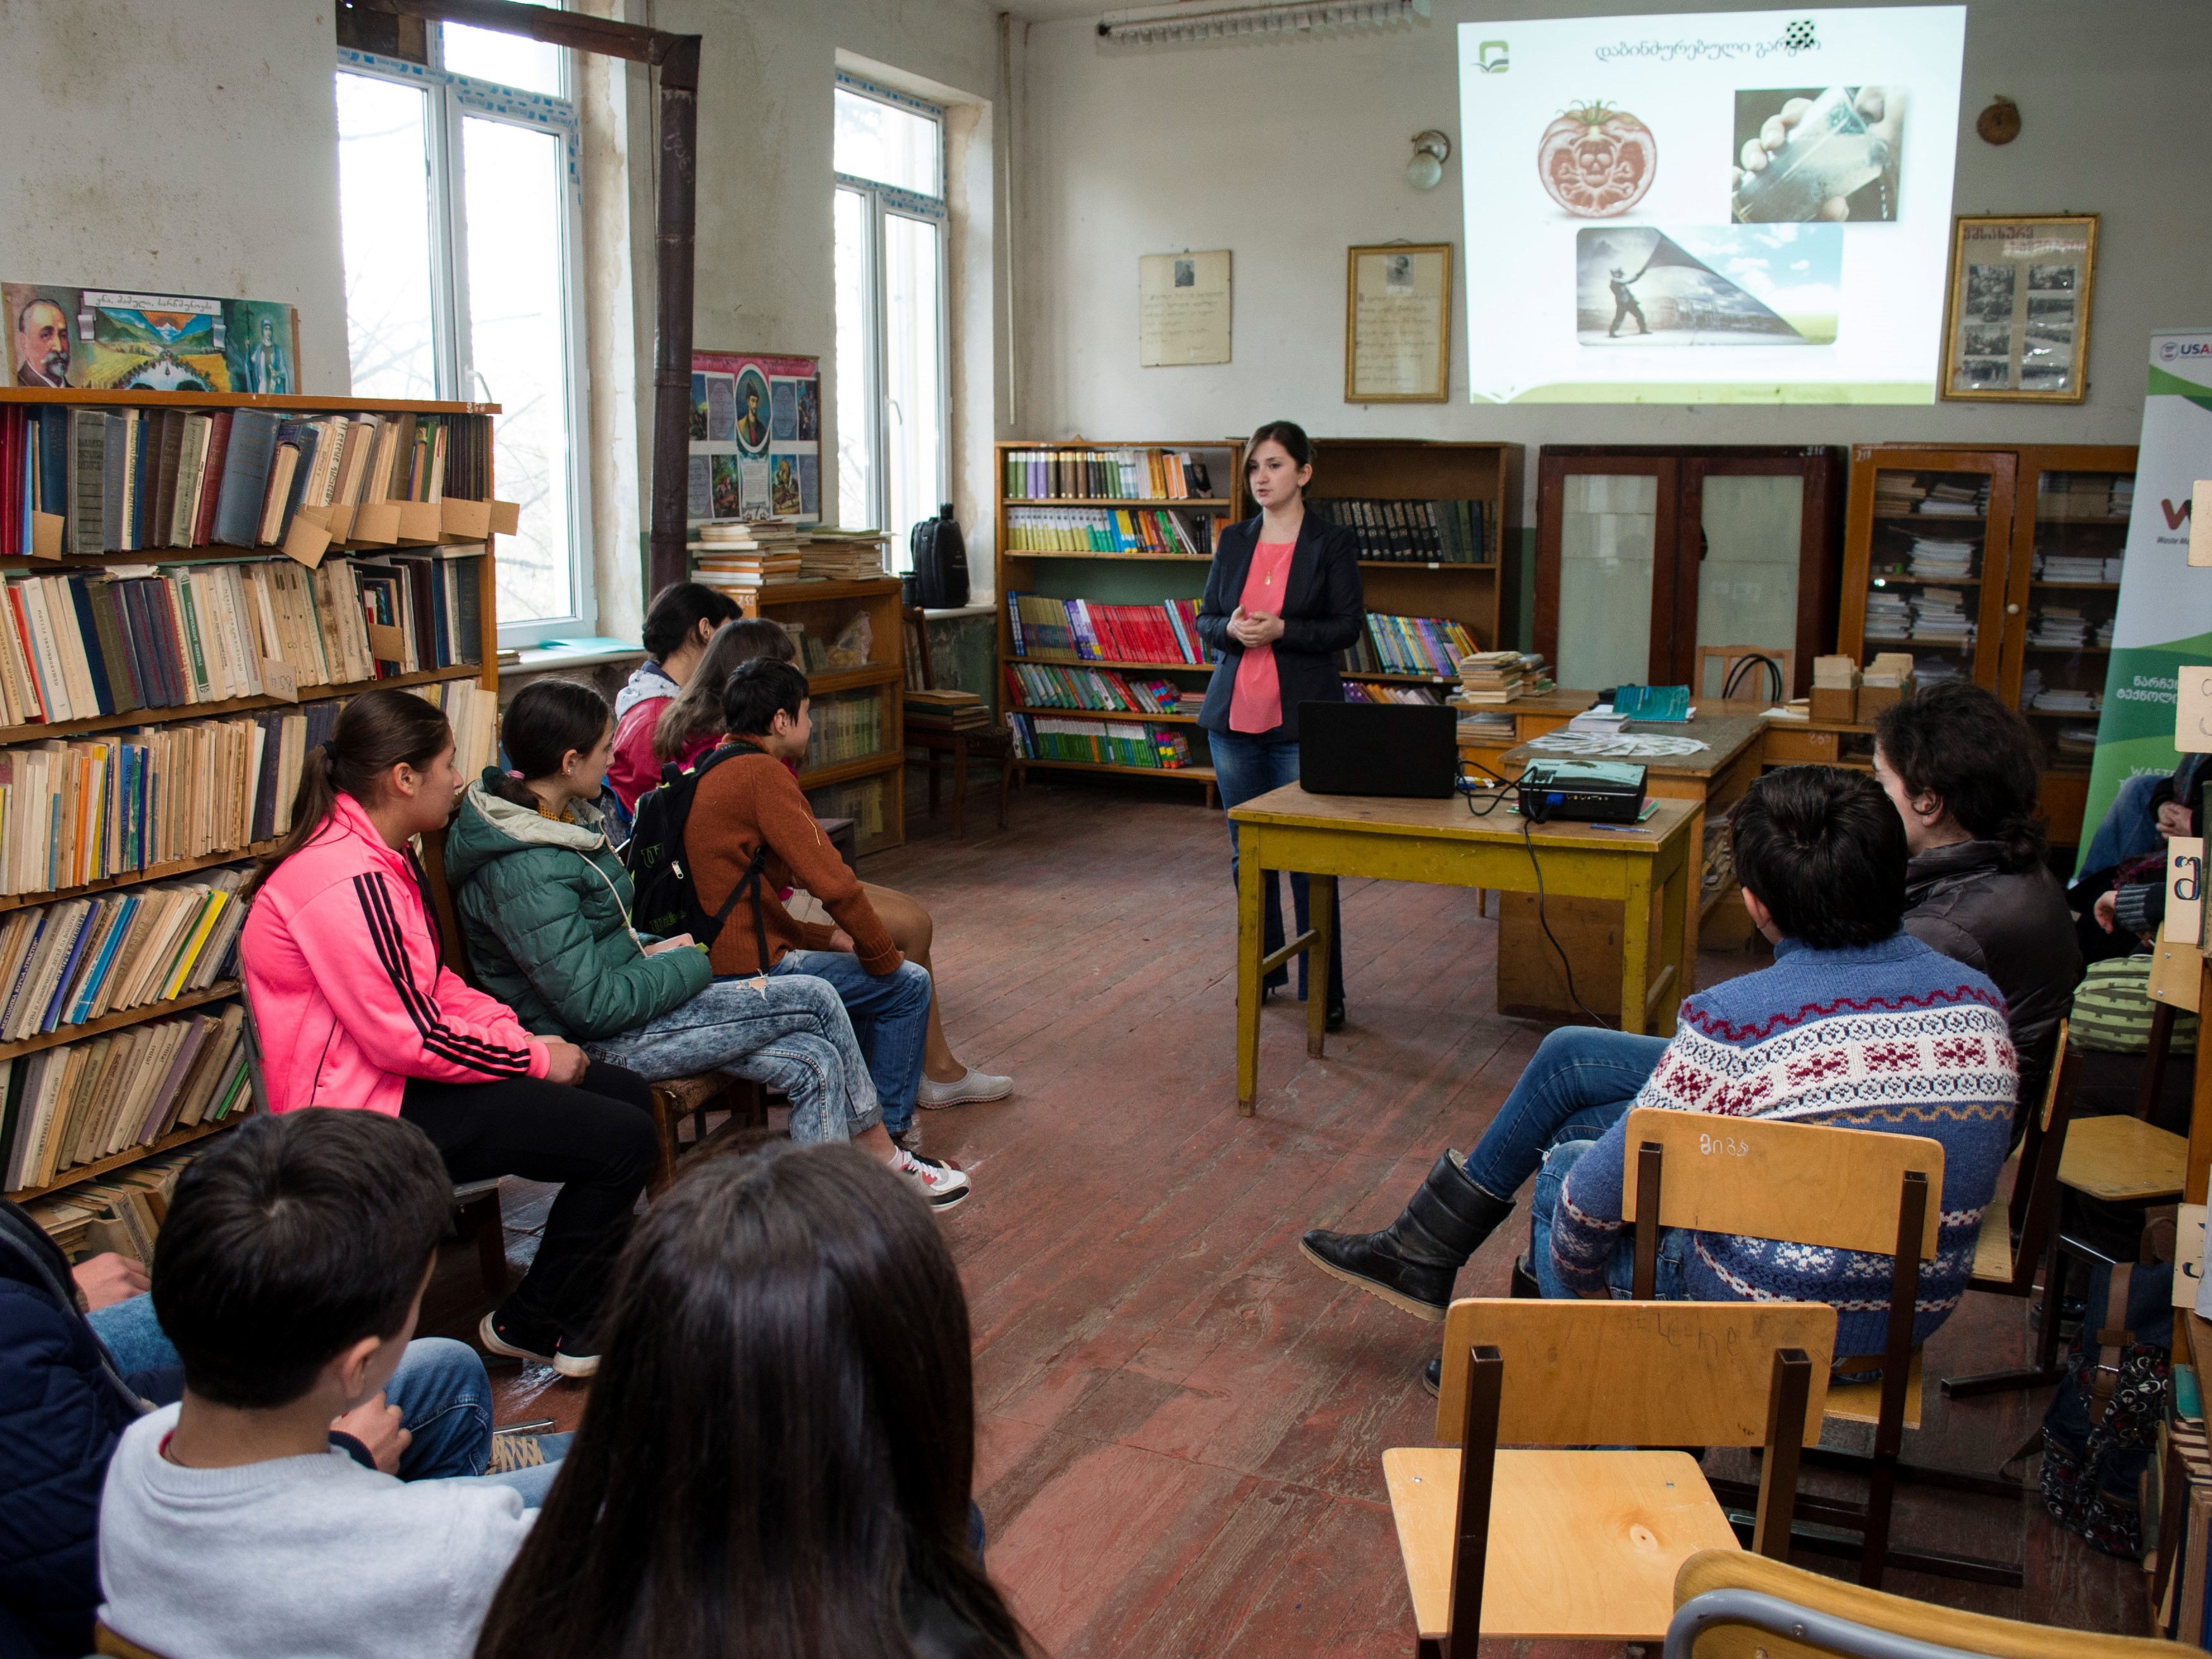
x=293, y=1262
x=1857, y=1025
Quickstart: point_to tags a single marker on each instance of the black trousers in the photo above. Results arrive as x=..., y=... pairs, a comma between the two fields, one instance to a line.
x=595, y=1136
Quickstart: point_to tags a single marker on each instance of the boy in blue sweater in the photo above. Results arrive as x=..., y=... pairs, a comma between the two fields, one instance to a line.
x=1857, y=1025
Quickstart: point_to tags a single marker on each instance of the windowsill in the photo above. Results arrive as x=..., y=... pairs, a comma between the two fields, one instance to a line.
x=571, y=653
x=951, y=612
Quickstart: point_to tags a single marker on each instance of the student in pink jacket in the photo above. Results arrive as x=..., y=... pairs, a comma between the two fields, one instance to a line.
x=355, y=1007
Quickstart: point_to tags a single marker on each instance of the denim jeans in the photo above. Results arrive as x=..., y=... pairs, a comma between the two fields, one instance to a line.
x=1620, y=1266
x=894, y=1006
x=1247, y=765
x=1580, y=1082
x=441, y=1390
x=2129, y=828
x=789, y=1031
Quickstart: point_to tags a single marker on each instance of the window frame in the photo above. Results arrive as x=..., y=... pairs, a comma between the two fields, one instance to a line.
x=451, y=99
x=879, y=202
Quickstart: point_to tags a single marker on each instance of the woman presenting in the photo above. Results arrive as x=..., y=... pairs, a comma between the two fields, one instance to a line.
x=1282, y=600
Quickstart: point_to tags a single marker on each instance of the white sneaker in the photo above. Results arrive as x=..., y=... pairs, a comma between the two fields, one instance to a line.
x=973, y=1087
x=939, y=1184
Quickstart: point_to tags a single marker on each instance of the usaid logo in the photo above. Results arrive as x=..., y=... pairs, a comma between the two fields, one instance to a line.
x=2170, y=349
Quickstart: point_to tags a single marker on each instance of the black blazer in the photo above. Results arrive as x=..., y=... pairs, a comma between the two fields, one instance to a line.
x=1322, y=611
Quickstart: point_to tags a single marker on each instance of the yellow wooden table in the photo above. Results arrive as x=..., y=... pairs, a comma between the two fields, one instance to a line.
x=1442, y=841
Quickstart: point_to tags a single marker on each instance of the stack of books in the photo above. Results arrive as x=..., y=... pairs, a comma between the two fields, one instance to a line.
x=740, y=556
x=856, y=557
x=1490, y=677
x=1896, y=492
x=1940, y=614
x=946, y=711
x=1956, y=498
x=1941, y=558
x=2062, y=627
x=2098, y=497
x=2076, y=567
x=83, y=1101
x=1491, y=727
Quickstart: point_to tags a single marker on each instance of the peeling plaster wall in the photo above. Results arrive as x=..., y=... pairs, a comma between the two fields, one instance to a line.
x=185, y=147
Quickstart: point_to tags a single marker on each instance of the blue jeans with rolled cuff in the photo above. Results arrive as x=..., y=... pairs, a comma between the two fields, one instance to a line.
x=1247, y=765
x=891, y=1017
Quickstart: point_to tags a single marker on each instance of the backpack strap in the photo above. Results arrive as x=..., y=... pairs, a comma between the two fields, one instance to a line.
x=749, y=886
x=2112, y=1341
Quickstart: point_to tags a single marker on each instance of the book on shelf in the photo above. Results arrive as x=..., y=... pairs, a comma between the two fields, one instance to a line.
x=1152, y=473
x=1085, y=630
x=1409, y=645
x=860, y=800
x=1110, y=743
x=1493, y=677
x=845, y=728
x=1106, y=530
x=1367, y=692
x=104, y=642
x=80, y=959
x=738, y=555
x=1047, y=685
x=946, y=711
x=77, y=1102
x=1413, y=531
x=136, y=479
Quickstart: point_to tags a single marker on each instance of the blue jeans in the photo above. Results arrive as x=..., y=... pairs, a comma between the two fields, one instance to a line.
x=1247, y=765
x=441, y=1390
x=895, y=1005
x=1620, y=1266
x=787, y=1030
x=2129, y=828
x=1582, y=1081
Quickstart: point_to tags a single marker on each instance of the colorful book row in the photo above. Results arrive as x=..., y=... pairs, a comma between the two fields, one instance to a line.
x=66, y=963
x=1409, y=645
x=1085, y=630
x=846, y=728
x=1044, y=685
x=1112, y=743
x=1127, y=475
x=1108, y=531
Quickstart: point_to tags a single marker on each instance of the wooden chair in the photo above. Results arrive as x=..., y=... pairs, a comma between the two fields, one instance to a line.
x=991, y=744
x=1755, y=683
x=105, y=1641
x=1580, y=1545
x=1839, y=1189
x=1732, y=1606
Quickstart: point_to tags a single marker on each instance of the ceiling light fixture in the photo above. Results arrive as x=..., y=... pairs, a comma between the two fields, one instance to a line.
x=1231, y=20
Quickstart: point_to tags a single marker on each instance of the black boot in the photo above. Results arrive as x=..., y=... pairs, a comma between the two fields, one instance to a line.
x=1410, y=1264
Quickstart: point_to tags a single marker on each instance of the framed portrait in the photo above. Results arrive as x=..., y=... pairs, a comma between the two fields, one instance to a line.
x=2016, y=322
x=1397, y=323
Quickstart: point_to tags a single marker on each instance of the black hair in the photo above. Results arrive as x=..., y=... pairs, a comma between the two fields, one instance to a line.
x=288, y=1239
x=676, y=613
x=1959, y=742
x=1289, y=435
x=756, y=692
x=776, y=1457
x=695, y=712
x=375, y=731
x=547, y=718
x=1824, y=849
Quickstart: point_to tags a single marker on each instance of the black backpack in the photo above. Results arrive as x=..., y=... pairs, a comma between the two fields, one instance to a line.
x=667, y=902
x=940, y=562
x=2101, y=1429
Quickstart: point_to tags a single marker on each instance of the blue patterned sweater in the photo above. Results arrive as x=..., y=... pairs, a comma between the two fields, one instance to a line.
x=1893, y=1037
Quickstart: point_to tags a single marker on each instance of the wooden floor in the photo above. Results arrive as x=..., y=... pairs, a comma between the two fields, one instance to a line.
x=1181, y=1421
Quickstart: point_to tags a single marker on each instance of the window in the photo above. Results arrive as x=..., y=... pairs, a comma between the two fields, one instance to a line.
x=894, y=388
x=459, y=213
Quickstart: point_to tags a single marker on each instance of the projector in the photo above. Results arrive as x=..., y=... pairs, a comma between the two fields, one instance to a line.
x=1604, y=792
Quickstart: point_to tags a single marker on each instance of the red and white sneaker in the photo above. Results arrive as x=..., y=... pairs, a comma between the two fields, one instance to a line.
x=940, y=1185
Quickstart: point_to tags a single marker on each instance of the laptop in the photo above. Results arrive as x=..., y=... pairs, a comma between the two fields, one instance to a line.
x=1378, y=749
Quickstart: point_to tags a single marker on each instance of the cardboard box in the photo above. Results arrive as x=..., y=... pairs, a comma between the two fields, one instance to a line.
x=1835, y=705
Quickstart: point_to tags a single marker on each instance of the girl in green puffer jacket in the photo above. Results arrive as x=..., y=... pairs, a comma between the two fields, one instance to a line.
x=545, y=904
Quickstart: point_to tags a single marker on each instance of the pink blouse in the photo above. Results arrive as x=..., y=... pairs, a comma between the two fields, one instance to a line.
x=1256, y=702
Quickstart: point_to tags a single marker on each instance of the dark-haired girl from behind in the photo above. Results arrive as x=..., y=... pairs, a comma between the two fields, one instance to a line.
x=775, y=1459
x=355, y=1007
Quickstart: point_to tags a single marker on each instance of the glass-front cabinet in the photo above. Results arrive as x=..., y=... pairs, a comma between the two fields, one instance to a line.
x=1645, y=554
x=1999, y=566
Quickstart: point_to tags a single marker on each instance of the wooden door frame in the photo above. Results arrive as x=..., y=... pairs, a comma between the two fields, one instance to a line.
x=2001, y=468
x=1819, y=535
x=1554, y=464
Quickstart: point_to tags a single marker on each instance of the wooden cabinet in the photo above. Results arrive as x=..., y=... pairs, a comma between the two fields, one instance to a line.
x=1644, y=553
x=2000, y=565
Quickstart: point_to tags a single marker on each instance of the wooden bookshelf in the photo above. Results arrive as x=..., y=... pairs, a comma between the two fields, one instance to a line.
x=1127, y=577
x=825, y=608
x=483, y=672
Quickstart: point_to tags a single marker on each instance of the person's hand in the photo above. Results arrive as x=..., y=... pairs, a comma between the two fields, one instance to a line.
x=1882, y=108
x=376, y=1425
x=1254, y=628
x=2173, y=819
x=106, y=1279
x=841, y=940
x=564, y=1061
x=2107, y=910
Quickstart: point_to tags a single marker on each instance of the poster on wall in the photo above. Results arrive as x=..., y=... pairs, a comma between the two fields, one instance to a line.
x=755, y=437
x=2164, y=619
x=1721, y=207
x=117, y=340
x=1182, y=308
x=2019, y=324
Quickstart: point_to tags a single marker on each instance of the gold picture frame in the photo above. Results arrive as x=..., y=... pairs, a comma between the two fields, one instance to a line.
x=1397, y=323
x=2016, y=311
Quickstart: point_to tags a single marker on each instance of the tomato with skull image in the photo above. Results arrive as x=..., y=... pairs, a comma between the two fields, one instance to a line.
x=1596, y=162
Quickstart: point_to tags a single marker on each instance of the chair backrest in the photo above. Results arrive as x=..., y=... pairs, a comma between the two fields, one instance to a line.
x=1755, y=683
x=1846, y=1619
x=1800, y=1183
x=917, y=648
x=256, y=1082
x=451, y=946
x=2034, y=1203
x=1633, y=1373
x=105, y=1641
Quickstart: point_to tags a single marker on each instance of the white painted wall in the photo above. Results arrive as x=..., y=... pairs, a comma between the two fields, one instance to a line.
x=1288, y=152
x=190, y=148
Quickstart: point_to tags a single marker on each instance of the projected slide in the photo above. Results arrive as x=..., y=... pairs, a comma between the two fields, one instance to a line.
x=1753, y=207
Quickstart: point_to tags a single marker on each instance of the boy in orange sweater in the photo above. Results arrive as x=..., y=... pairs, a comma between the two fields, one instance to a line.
x=746, y=802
